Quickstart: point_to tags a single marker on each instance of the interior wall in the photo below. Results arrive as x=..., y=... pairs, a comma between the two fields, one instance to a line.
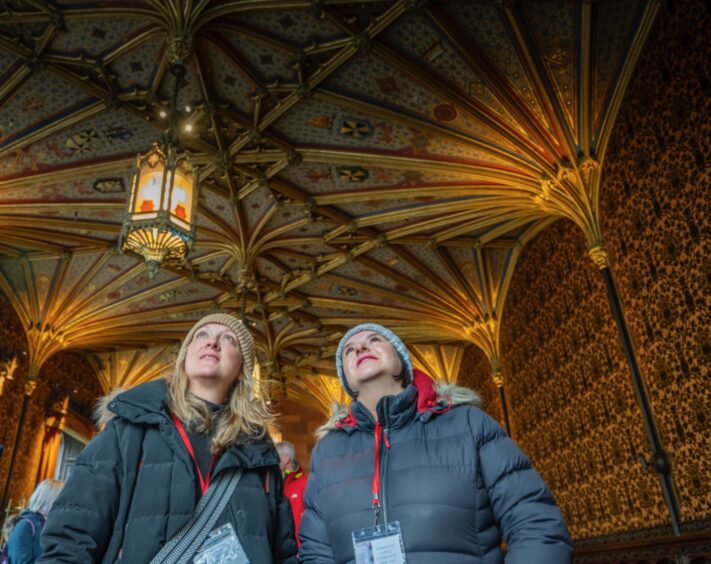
x=569, y=388
x=63, y=373
x=298, y=424
x=475, y=374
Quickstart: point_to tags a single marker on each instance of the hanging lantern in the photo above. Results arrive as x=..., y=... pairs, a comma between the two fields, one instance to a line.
x=159, y=223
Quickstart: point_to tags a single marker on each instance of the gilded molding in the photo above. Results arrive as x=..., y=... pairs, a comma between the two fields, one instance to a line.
x=598, y=254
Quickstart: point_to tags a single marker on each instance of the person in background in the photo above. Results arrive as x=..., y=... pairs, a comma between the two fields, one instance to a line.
x=23, y=543
x=440, y=478
x=294, y=480
x=166, y=448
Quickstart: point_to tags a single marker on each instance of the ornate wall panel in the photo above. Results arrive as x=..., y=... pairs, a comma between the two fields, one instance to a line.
x=572, y=405
x=656, y=216
x=475, y=373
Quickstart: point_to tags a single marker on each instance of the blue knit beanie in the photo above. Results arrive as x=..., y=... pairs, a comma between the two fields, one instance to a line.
x=394, y=340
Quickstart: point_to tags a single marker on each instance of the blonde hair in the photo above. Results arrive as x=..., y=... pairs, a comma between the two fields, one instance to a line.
x=245, y=416
x=45, y=494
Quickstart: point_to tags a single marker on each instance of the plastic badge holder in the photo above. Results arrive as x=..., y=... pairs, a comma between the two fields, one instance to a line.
x=221, y=547
x=381, y=544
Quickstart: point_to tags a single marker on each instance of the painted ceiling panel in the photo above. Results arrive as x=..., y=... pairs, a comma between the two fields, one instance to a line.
x=269, y=62
x=386, y=161
x=482, y=24
x=106, y=135
x=25, y=32
x=96, y=38
x=555, y=32
x=7, y=63
x=416, y=37
x=613, y=27
x=230, y=82
x=42, y=100
x=297, y=26
x=137, y=68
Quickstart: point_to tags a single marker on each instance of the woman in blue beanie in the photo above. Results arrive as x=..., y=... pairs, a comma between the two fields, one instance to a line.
x=416, y=470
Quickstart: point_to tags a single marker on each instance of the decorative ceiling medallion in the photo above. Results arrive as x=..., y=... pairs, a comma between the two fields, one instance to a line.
x=112, y=185
x=445, y=112
x=82, y=142
x=356, y=128
x=346, y=291
x=351, y=174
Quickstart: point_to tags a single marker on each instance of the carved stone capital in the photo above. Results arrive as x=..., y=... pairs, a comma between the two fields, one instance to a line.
x=598, y=254
x=30, y=386
x=498, y=378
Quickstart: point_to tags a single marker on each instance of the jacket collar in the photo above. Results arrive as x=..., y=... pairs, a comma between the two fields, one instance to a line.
x=146, y=404
x=424, y=398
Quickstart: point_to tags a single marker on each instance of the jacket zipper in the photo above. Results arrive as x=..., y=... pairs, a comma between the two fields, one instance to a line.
x=384, y=475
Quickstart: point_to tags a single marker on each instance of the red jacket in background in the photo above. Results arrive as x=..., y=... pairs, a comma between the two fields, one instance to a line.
x=294, y=486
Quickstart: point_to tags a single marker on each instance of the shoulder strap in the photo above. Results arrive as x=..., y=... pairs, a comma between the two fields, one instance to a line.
x=186, y=542
x=34, y=530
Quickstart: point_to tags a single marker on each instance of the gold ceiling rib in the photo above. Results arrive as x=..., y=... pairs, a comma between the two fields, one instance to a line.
x=404, y=236
x=318, y=391
x=441, y=362
x=124, y=369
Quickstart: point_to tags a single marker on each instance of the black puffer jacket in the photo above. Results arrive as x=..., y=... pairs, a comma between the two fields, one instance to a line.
x=134, y=487
x=450, y=475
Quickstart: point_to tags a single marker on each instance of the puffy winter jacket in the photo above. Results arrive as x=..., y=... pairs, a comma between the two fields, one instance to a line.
x=450, y=475
x=23, y=545
x=133, y=488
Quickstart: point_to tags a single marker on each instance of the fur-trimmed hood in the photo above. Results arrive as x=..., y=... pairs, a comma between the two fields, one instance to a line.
x=102, y=413
x=139, y=404
x=432, y=398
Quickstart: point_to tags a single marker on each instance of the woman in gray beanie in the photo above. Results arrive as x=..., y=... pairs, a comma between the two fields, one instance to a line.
x=170, y=449
x=416, y=470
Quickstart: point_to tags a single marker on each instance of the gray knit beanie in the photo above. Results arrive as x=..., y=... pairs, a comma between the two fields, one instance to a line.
x=394, y=340
x=246, y=342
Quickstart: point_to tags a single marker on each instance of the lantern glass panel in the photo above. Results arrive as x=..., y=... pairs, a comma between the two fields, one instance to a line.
x=148, y=194
x=182, y=196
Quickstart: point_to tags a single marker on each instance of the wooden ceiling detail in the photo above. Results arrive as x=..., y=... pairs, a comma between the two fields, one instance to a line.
x=360, y=161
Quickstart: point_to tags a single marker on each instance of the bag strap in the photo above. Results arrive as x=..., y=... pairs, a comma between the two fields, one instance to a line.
x=186, y=542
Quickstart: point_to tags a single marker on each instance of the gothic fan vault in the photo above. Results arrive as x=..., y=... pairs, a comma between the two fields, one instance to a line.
x=359, y=160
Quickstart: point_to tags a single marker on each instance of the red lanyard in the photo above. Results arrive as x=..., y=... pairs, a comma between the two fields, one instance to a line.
x=204, y=482
x=376, y=470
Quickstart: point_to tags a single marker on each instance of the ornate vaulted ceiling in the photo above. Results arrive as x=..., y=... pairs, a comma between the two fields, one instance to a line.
x=369, y=160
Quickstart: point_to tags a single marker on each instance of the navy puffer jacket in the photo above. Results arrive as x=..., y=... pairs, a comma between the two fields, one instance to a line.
x=134, y=487
x=451, y=476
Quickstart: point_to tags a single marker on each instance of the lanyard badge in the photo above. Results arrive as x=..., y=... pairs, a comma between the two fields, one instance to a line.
x=381, y=544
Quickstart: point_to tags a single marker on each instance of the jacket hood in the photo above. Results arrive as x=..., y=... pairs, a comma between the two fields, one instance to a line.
x=432, y=398
x=141, y=404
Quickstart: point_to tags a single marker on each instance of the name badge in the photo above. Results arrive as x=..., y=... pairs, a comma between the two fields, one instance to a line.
x=381, y=544
x=221, y=547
